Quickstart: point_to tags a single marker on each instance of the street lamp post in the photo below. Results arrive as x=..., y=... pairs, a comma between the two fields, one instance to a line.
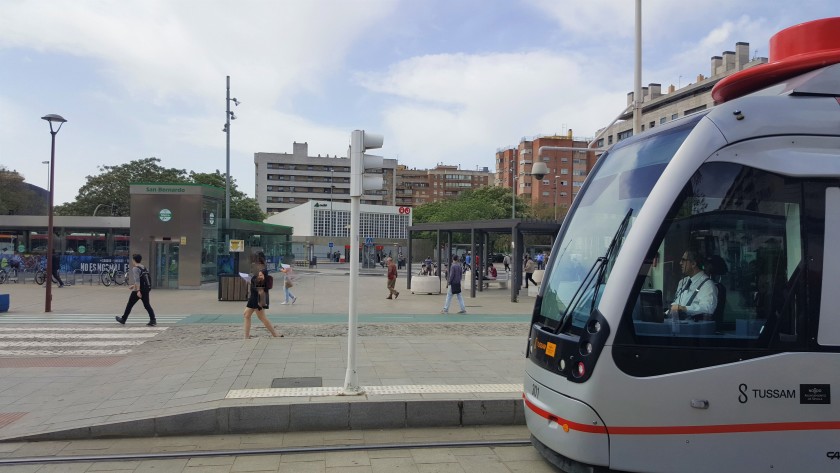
x=51, y=118
x=513, y=193
x=228, y=117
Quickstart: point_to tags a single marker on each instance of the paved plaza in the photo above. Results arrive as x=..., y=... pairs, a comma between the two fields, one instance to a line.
x=76, y=374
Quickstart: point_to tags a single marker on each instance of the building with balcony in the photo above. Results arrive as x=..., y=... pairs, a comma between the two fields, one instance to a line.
x=659, y=108
x=285, y=180
x=552, y=195
x=421, y=186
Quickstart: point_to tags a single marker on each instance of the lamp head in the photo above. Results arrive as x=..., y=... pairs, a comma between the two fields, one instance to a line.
x=235, y=102
x=232, y=116
x=53, y=118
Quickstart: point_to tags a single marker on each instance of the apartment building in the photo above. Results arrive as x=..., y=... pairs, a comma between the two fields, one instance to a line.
x=552, y=195
x=659, y=108
x=286, y=180
x=421, y=186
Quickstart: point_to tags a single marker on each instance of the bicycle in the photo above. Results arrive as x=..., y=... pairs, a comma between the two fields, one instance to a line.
x=41, y=276
x=10, y=272
x=109, y=276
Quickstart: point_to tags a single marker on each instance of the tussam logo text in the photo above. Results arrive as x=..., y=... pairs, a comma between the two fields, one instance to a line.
x=747, y=393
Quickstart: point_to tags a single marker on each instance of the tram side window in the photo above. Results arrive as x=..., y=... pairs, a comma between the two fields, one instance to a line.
x=727, y=267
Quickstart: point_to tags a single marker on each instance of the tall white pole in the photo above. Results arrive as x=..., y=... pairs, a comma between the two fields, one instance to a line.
x=227, y=163
x=637, y=89
x=351, y=378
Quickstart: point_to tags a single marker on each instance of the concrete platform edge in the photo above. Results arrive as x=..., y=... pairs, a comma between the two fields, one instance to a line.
x=347, y=415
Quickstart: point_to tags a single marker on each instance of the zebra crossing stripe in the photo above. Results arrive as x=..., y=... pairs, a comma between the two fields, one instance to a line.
x=66, y=344
x=63, y=352
x=88, y=330
x=65, y=336
x=67, y=341
x=82, y=319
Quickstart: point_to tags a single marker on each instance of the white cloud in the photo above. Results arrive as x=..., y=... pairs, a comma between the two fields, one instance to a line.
x=458, y=108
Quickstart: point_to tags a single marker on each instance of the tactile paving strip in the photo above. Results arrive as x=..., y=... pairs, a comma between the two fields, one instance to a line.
x=376, y=390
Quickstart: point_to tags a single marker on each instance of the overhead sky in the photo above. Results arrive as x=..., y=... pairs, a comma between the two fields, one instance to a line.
x=445, y=81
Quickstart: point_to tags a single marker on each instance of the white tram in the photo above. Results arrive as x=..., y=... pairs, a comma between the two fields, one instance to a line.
x=743, y=198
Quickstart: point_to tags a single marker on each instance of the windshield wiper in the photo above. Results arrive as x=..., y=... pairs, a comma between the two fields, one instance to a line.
x=599, y=270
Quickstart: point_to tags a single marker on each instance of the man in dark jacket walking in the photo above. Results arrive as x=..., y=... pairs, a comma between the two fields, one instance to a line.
x=453, y=285
x=138, y=292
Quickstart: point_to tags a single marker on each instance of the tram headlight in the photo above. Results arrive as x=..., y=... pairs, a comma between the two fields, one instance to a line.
x=594, y=326
x=586, y=349
x=581, y=369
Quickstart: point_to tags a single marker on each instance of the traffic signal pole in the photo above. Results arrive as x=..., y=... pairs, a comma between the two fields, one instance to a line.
x=359, y=183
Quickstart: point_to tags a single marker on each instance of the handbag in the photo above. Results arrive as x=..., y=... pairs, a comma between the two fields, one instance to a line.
x=288, y=283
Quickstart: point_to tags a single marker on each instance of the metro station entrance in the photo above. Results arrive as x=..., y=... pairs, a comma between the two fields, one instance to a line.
x=165, y=264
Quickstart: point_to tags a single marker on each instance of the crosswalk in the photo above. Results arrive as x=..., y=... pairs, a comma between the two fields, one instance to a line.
x=83, y=319
x=64, y=341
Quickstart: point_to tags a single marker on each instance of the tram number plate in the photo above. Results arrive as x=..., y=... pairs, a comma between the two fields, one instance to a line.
x=535, y=391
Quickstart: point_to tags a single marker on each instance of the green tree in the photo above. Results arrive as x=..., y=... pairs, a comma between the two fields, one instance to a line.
x=484, y=203
x=111, y=186
x=110, y=189
x=241, y=206
x=17, y=197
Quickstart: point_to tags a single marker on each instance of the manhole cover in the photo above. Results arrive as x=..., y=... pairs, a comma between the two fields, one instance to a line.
x=313, y=382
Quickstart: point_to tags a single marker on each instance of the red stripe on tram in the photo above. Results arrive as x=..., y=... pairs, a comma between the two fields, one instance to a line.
x=684, y=429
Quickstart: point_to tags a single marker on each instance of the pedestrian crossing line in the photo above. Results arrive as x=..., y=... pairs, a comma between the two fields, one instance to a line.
x=63, y=352
x=68, y=344
x=86, y=329
x=82, y=319
x=65, y=336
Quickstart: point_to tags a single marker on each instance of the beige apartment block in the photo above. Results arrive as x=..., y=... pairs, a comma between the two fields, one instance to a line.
x=660, y=107
x=286, y=180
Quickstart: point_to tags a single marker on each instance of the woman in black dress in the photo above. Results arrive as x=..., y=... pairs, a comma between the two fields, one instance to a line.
x=258, y=302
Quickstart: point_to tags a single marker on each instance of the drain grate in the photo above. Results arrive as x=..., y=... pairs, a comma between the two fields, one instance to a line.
x=303, y=382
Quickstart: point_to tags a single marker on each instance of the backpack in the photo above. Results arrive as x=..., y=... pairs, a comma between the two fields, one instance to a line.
x=269, y=281
x=145, y=280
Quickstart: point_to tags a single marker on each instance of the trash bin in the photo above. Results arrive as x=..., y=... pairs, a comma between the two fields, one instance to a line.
x=232, y=288
x=4, y=302
x=313, y=262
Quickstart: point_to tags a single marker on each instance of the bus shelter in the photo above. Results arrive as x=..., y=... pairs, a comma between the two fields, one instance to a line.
x=480, y=231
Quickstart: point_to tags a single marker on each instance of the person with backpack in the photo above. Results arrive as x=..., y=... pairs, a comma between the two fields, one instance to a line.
x=261, y=284
x=140, y=285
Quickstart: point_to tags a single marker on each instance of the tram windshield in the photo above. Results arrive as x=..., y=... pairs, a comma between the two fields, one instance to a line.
x=619, y=185
x=728, y=264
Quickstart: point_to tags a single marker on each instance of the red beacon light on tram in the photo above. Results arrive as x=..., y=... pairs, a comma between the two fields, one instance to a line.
x=793, y=51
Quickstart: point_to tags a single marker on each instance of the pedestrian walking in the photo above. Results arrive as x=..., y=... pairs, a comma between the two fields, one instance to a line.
x=261, y=283
x=529, y=271
x=506, y=261
x=288, y=283
x=453, y=286
x=140, y=286
x=56, y=266
x=392, y=279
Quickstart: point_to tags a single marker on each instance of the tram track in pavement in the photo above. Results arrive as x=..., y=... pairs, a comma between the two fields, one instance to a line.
x=292, y=450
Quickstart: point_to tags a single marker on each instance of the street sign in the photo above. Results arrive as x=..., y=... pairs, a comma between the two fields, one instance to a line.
x=236, y=246
x=368, y=241
x=331, y=244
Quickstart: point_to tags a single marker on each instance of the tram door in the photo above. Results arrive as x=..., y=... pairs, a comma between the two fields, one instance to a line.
x=165, y=268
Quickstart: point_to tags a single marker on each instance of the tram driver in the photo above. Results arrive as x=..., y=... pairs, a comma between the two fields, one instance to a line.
x=696, y=297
